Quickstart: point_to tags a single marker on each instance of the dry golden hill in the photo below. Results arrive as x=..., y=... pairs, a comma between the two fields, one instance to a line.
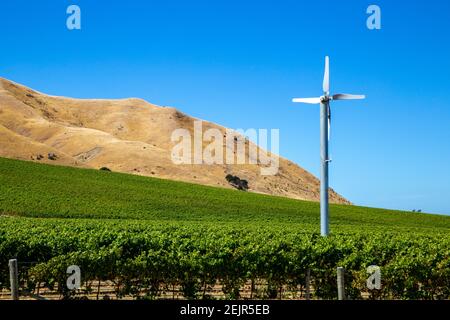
x=127, y=135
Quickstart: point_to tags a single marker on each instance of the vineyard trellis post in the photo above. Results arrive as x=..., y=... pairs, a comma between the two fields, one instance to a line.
x=308, y=285
x=341, y=283
x=14, y=279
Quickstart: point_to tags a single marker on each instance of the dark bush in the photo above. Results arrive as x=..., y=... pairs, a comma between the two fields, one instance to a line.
x=236, y=182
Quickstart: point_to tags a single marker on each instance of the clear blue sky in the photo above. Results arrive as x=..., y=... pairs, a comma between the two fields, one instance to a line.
x=239, y=63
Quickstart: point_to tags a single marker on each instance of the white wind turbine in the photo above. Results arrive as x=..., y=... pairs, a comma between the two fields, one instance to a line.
x=325, y=122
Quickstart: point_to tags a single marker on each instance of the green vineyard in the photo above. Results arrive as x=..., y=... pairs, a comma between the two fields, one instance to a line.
x=147, y=235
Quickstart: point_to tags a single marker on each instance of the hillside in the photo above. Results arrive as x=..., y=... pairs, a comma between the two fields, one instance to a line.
x=38, y=190
x=129, y=136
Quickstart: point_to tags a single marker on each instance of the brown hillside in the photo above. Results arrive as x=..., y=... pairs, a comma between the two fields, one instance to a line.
x=128, y=135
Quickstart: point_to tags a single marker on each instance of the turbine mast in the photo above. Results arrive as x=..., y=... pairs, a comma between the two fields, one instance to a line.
x=324, y=117
x=324, y=215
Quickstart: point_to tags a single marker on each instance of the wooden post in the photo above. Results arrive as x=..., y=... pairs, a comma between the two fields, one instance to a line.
x=14, y=279
x=341, y=283
x=308, y=284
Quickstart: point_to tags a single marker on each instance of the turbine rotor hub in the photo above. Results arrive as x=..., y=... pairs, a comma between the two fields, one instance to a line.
x=325, y=98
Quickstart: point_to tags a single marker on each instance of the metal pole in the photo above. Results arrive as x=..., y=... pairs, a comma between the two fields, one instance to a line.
x=341, y=283
x=308, y=284
x=324, y=229
x=14, y=279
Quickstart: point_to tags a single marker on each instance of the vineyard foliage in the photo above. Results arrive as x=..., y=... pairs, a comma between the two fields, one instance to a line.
x=146, y=235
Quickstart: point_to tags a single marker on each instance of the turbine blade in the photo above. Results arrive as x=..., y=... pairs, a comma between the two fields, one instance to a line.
x=326, y=76
x=343, y=96
x=307, y=100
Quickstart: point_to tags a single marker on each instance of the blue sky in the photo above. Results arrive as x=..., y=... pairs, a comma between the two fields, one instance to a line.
x=239, y=63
